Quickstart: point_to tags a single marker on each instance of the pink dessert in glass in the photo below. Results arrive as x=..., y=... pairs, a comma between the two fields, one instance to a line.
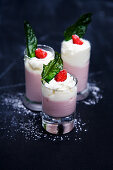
x=35, y=56
x=59, y=108
x=33, y=70
x=76, y=61
x=59, y=104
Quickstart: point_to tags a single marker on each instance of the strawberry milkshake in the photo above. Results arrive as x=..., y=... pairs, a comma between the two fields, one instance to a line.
x=76, y=54
x=59, y=103
x=33, y=69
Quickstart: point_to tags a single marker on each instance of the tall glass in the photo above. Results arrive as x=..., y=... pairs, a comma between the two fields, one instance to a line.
x=76, y=62
x=33, y=94
x=58, y=109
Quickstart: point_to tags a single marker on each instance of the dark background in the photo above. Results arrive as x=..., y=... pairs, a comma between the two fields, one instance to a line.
x=49, y=19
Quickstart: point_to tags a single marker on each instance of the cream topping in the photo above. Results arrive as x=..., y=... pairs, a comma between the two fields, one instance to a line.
x=64, y=85
x=74, y=54
x=60, y=91
x=36, y=64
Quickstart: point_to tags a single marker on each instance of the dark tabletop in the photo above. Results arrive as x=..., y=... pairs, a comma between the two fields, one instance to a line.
x=24, y=145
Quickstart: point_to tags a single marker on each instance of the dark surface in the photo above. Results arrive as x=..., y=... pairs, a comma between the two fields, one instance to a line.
x=24, y=144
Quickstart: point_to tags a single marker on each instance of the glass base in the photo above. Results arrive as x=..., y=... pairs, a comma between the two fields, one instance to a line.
x=83, y=94
x=58, y=125
x=34, y=106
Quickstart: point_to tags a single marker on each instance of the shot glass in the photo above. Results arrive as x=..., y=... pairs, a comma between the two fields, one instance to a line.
x=58, y=109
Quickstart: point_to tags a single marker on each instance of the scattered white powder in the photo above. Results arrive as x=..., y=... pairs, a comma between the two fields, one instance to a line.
x=15, y=102
x=17, y=120
x=95, y=95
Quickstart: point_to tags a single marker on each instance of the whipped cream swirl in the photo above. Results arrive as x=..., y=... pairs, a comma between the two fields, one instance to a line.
x=75, y=54
x=36, y=64
x=60, y=91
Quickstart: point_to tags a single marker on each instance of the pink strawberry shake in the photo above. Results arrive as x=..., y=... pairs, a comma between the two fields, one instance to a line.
x=59, y=98
x=33, y=70
x=76, y=60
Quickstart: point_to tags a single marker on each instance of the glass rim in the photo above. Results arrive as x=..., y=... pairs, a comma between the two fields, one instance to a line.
x=74, y=78
x=40, y=45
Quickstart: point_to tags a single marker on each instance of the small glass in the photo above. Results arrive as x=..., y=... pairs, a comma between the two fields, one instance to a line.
x=33, y=95
x=58, y=109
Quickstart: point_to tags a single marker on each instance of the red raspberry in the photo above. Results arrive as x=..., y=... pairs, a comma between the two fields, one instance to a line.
x=76, y=40
x=61, y=76
x=40, y=53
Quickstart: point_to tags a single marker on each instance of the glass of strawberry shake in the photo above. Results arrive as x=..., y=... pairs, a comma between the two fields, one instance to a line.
x=76, y=54
x=33, y=69
x=59, y=103
x=35, y=56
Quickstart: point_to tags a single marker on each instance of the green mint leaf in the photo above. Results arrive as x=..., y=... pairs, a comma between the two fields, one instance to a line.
x=53, y=68
x=31, y=40
x=79, y=28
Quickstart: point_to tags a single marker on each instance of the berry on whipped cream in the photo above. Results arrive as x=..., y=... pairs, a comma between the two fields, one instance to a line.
x=67, y=84
x=35, y=64
x=61, y=76
x=74, y=54
x=77, y=40
x=40, y=53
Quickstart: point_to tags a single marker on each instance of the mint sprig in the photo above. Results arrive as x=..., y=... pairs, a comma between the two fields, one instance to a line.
x=53, y=68
x=31, y=40
x=79, y=28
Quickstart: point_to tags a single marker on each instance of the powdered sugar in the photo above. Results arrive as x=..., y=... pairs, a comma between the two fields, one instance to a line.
x=95, y=95
x=15, y=102
x=17, y=121
x=21, y=121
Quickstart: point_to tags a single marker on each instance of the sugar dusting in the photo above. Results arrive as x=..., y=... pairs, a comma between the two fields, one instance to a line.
x=18, y=121
x=95, y=95
x=21, y=121
x=15, y=102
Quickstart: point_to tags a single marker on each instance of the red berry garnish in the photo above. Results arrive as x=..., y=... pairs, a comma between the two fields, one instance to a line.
x=76, y=40
x=40, y=53
x=61, y=76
